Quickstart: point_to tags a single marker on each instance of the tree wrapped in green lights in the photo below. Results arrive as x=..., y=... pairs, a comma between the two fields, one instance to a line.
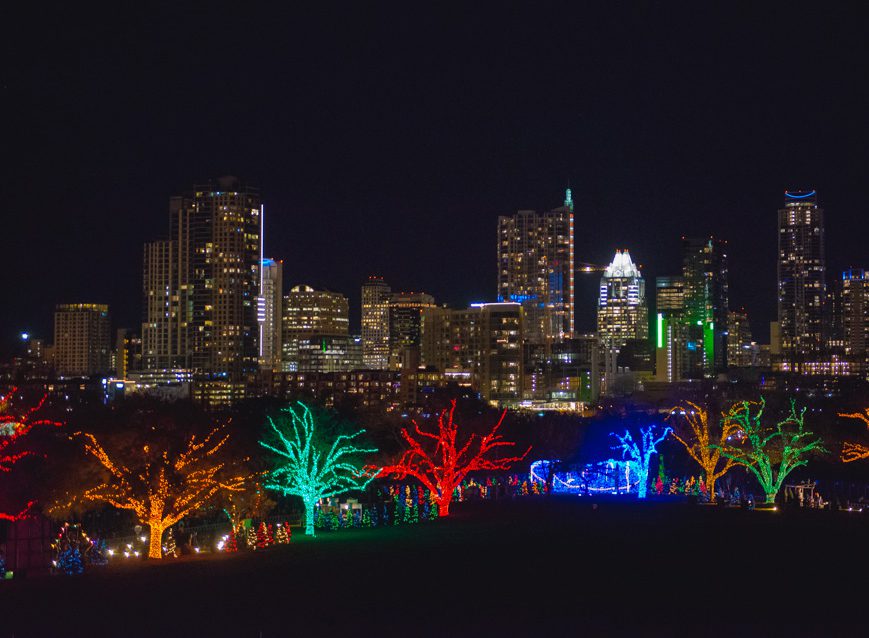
x=769, y=452
x=311, y=468
x=640, y=453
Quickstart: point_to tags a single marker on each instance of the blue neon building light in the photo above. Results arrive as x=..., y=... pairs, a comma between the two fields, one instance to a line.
x=787, y=194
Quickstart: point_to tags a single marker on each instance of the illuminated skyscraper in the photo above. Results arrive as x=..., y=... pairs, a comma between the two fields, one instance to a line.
x=623, y=322
x=405, y=323
x=622, y=314
x=536, y=269
x=218, y=230
x=164, y=322
x=855, y=313
x=742, y=352
x=316, y=331
x=801, y=279
x=375, y=323
x=270, y=314
x=704, y=272
x=82, y=343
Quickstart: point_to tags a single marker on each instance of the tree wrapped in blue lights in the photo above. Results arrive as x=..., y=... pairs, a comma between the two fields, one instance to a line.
x=641, y=453
x=312, y=469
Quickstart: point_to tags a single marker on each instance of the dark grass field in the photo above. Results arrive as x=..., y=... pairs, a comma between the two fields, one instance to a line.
x=547, y=567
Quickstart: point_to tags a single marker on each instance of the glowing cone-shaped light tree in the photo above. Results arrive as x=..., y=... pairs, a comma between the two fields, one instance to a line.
x=769, y=452
x=640, y=453
x=440, y=462
x=855, y=451
x=692, y=429
x=15, y=425
x=159, y=487
x=311, y=468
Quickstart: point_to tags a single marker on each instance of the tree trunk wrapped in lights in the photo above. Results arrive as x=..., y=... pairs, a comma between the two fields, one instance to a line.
x=444, y=465
x=312, y=469
x=695, y=434
x=855, y=451
x=163, y=488
x=15, y=425
x=769, y=452
x=640, y=454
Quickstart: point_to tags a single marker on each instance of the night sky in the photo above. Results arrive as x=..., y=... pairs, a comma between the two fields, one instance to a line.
x=388, y=142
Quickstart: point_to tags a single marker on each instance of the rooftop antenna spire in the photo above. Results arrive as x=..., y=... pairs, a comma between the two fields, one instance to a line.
x=568, y=198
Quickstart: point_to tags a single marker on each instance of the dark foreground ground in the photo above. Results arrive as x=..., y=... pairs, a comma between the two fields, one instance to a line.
x=548, y=567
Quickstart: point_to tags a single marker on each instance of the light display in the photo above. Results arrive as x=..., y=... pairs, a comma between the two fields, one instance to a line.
x=640, y=453
x=170, y=548
x=14, y=426
x=282, y=536
x=691, y=428
x=162, y=489
x=770, y=453
x=855, y=451
x=606, y=477
x=443, y=466
x=309, y=470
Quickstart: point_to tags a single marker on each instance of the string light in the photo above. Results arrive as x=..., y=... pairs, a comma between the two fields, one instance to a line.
x=640, y=454
x=147, y=491
x=697, y=439
x=445, y=466
x=770, y=453
x=14, y=425
x=855, y=451
x=308, y=470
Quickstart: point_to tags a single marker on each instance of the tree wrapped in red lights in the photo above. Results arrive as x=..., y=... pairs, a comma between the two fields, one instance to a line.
x=441, y=463
x=159, y=483
x=15, y=425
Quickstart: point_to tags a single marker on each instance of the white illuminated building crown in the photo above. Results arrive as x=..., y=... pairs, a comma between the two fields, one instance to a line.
x=621, y=266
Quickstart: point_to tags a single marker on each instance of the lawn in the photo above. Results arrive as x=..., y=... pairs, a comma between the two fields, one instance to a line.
x=534, y=567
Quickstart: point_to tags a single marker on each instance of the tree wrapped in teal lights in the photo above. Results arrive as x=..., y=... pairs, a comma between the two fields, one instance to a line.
x=640, y=453
x=770, y=452
x=311, y=468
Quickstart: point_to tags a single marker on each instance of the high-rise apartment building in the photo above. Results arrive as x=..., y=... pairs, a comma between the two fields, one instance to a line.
x=536, y=269
x=201, y=290
x=218, y=229
x=375, y=323
x=270, y=314
x=405, y=323
x=742, y=352
x=82, y=339
x=855, y=313
x=801, y=280
x=164, y=323
x=704, y=272
x=316, y=331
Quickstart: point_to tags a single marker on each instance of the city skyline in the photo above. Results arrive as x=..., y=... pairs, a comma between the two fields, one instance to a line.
x=408, y=184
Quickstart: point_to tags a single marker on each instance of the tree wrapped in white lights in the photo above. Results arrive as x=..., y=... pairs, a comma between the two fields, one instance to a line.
x=311, y=468
x=641, y=453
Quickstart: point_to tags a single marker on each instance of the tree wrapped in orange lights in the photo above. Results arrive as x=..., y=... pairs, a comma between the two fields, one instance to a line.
x=161, y=487
x=691, y=428
x=14, y=426
x=440, y=463
x=855, y=451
